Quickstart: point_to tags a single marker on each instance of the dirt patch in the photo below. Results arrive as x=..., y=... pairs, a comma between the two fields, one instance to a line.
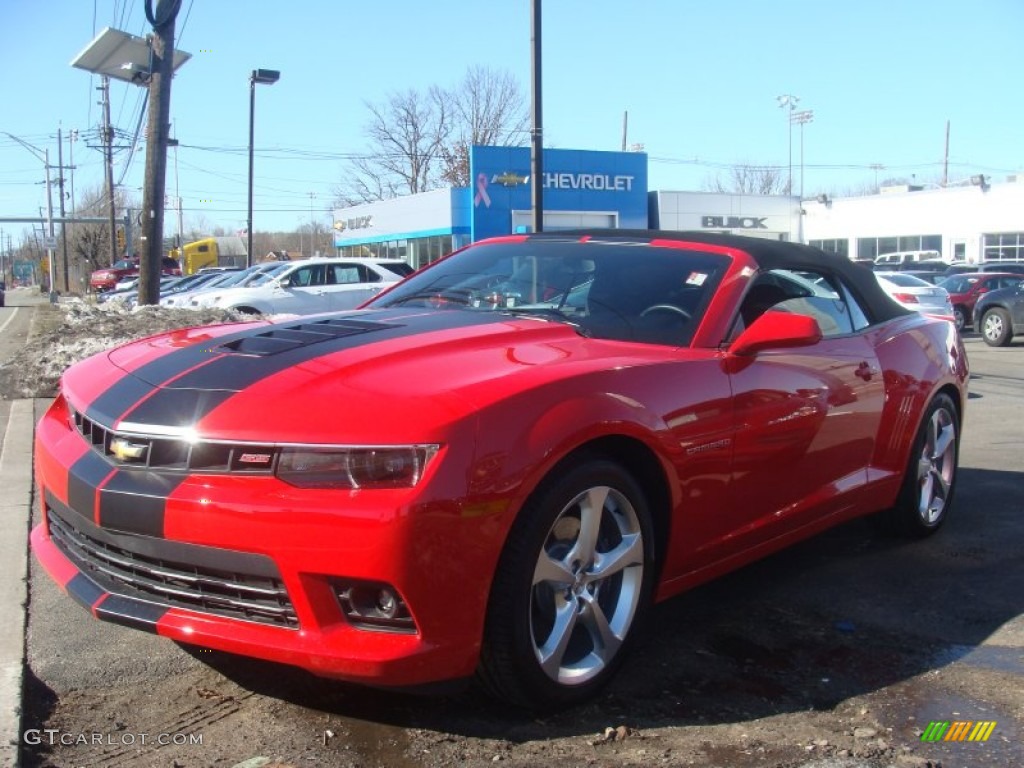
x=65, y=333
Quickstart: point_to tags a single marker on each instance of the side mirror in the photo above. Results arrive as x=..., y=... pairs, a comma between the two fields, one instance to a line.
x=777, y=330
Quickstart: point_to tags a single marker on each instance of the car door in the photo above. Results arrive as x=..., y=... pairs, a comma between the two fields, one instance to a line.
x=303, y=291
x=806, y=420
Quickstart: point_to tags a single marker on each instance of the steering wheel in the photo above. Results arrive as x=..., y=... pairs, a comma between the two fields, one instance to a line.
x=666, y=308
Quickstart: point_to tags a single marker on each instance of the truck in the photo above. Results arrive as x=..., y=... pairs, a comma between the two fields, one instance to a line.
x=211, y=252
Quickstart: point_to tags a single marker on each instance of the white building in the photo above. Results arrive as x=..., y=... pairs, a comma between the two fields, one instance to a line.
x=966, y=223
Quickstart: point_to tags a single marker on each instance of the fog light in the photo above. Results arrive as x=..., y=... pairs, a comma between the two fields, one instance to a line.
x=374, y=606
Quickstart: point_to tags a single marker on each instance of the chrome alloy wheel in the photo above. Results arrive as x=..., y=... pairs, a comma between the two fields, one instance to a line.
x=936, y=466
x=993, y=329
x=587, y=584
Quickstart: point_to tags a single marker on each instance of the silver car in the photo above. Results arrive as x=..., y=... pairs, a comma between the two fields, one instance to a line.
x=915, y=293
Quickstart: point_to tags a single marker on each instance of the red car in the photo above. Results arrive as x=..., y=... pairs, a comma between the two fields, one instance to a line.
x=965, y=290
x=494, y=468
x=105, y=279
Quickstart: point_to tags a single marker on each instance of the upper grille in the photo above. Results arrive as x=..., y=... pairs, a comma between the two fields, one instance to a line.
x=249, y=587
x=176, y=453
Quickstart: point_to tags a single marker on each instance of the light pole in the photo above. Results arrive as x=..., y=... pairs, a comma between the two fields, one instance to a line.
x=44, y=155
x=802, y=117
x=312, y=226
x=789, y=100
x=262, y=77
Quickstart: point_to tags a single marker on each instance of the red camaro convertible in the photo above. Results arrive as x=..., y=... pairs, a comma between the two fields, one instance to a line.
x=494, y=468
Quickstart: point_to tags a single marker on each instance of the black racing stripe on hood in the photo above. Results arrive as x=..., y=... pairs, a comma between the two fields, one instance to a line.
x=135, y=501
x=84, y=590
x=177, y=407
x=207, y=373
x=129, y=612
x=85, y=476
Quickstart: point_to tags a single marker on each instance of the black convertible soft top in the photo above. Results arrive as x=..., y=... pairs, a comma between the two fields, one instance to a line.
x=769, y=254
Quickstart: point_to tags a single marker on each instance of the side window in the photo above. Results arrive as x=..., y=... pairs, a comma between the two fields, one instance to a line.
x=345, y=274
x=303, y=277
x=816, y=294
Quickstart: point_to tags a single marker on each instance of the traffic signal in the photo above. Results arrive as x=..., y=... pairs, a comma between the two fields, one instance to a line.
x=120, y=240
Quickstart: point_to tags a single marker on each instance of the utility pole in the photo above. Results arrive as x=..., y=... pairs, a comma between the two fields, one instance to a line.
x=161, y=70
x=537, y=131
x=312, y=226
x=945, y=160
x=63, y=227
x=108, y=151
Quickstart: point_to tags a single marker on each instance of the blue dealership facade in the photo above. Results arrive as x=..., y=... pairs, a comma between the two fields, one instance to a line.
x=582, y=189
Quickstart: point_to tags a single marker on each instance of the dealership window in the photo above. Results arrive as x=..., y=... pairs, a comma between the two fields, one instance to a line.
x=418, y=251
x=840, y=246
x=870, y=247
x=1003, y=246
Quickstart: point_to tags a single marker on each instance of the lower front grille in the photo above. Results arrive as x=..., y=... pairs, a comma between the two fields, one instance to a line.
x=174, y=574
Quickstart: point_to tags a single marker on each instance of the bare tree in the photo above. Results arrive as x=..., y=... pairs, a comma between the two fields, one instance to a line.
x=420, y=141
x=748, y=180
x=406, y=135
x=488, y=108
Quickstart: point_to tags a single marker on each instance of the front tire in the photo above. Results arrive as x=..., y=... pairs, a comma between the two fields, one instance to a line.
x=573, y=585
x=927, y=492
x=996, y=328
x=960, y=317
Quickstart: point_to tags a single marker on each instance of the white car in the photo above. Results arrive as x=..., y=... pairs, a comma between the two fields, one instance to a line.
x=309, y=286
x=916, y=294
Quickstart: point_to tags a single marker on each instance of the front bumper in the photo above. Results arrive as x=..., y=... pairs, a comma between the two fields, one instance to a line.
x=250, y=565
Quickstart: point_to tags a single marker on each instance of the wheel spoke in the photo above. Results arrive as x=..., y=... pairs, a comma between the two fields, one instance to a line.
x=944, y=440
x=606, y=643
x=630, y=551
x=591, y=508
x=551, y=570
x=552, y=652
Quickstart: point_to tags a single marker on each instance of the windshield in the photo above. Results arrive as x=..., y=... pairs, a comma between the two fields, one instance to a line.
x=626, y=291
x=262, y=278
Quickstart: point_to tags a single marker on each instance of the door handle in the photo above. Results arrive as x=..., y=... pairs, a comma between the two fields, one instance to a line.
x=865, y=371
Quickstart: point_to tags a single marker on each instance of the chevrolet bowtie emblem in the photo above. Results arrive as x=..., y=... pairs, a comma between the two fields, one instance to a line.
x=125, y=450
x=509, y=179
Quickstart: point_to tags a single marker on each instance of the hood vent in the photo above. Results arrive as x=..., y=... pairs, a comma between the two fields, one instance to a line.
x=284, y=338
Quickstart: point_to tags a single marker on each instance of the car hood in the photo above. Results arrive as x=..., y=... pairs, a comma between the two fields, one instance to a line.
x=377, y=375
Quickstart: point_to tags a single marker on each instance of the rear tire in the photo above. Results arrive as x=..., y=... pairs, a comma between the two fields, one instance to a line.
x=572, y=587
x=927, y=491
x=996, y=328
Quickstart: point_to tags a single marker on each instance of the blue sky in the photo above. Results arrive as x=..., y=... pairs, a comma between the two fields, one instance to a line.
x=699, y=81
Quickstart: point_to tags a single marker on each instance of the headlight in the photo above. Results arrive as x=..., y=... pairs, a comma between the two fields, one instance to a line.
x=379, y=467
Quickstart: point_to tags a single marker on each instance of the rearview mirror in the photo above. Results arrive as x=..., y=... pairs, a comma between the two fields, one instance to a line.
x=777, y=330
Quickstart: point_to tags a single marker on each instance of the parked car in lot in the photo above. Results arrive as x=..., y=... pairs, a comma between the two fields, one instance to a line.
x=965, y=290
x=309, y=286
x=999, y=315
x=107, y=279
x=916, y=294
x=493, y=469
x=1016, y=267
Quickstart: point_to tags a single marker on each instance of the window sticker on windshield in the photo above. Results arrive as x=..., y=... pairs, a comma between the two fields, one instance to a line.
x=697, y=278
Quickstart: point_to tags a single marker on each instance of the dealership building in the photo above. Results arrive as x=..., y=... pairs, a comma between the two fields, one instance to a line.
x=974, y=222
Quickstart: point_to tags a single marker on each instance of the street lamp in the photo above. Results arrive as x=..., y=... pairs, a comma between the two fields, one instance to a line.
x=263, y=77
x=802, y=117
x=789, y=100
x=44, y=155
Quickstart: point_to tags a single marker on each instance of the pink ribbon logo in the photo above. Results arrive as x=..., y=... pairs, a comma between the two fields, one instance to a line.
x=481, y=192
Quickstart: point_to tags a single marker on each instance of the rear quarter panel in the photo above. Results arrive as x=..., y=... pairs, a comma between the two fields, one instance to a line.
x=919, y=357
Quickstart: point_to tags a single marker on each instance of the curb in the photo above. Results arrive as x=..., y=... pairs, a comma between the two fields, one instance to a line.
x=15, y=514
